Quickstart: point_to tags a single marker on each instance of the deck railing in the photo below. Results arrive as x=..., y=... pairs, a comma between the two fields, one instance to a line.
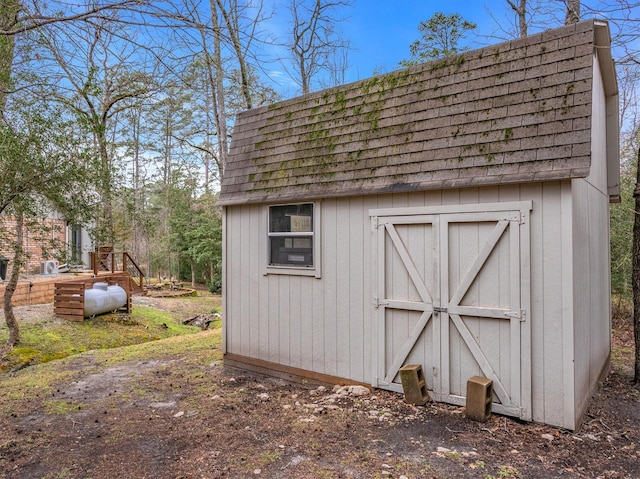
x=109, y=261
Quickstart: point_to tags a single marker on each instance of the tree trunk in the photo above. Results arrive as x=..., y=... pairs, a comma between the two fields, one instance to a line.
x=10, y=319
x=573, y=12
x=521, y=11
x=234, y=35
x=138, y=195
x=212, y=99
x=106, y=228
x=219, y=92
x=635, y=274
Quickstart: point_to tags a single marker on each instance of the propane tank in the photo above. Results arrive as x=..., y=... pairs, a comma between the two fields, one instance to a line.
x=103, y=298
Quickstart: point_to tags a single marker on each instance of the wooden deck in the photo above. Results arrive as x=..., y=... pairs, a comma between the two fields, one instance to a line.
x=40, y=289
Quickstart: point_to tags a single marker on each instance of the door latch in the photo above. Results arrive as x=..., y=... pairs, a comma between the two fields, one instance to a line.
x=437, y=309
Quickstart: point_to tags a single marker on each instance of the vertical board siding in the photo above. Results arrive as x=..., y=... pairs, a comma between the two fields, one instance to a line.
x=599, y=251
x=547, y=307
x=582, y=292
x=306, y=348
x=318, y=349
x=327, y=324
x=534, y=191
x=591, y=258
x=255, y=270
x=233, y=315
x=358, y=316
x=343, y=273
x=600, y=286
x=568, y=309
x=330, y=279
x=273, y=320
x=244, y=286
x=296, y=322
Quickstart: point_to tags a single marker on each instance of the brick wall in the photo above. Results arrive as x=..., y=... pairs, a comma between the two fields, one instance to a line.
x=38, y=240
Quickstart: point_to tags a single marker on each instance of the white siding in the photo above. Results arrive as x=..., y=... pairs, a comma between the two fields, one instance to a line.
x=591, y=259
x=325, y=324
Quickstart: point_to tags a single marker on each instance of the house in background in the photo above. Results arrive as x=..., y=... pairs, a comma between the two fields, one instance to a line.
x=453, y=215
x=37, y=244
x=80, y=245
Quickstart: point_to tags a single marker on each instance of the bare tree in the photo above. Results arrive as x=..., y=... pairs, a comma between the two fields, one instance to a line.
x=573, y=12
x=101, y=75
x=530, y=15
x=315, y=41
x=241, y=42
x=21, y=16
x=216, y=77
x=221, y=41
x=205, y=75
x=9, y=10
x=521, y=11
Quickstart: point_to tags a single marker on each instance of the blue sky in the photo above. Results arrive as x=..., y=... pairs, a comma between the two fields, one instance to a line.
x=382, y=30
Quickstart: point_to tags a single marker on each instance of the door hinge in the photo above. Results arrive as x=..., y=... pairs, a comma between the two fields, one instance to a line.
x=519, y=314
x=377, y=303
x=374, y=222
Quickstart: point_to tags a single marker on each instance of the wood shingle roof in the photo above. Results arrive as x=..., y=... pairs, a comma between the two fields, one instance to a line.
x=515, y=112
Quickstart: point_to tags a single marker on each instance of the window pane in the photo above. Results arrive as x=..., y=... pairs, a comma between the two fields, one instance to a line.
x=296, y=251
x=291, y=218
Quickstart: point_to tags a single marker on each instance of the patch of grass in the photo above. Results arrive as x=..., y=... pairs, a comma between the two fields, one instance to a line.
x=57, y=339
x=203, y=348
x=269, y=457
x=32, y=383
x=40, y=381
x=62, y=407
x=621, y=357
x=455, y=455
x=505, y=472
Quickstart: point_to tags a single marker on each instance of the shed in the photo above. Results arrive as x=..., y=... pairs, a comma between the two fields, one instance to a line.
x=454, y=215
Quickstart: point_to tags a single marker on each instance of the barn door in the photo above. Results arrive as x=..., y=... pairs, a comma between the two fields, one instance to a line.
x=452, y=295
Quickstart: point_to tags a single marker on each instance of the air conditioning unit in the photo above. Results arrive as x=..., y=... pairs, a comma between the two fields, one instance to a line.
x=49, y=267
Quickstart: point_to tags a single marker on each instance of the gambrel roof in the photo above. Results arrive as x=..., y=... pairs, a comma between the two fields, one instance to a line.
x=515, y=112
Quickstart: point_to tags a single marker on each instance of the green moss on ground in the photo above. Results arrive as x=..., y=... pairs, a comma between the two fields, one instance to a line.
x=53, y=339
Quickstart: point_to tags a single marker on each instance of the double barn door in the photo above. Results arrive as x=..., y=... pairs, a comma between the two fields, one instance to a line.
x=452, y=294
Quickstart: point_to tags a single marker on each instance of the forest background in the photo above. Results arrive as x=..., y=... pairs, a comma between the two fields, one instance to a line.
x=118, y=114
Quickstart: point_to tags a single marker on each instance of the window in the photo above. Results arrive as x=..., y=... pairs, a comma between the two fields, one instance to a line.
x=291, y=236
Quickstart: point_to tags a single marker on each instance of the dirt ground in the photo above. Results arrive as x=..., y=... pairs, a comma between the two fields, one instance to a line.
x=181, y=415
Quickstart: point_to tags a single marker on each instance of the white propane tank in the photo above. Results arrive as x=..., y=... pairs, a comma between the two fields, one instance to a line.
x=103, y=298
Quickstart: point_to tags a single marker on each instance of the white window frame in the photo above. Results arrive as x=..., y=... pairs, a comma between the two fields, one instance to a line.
x=314, y=270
